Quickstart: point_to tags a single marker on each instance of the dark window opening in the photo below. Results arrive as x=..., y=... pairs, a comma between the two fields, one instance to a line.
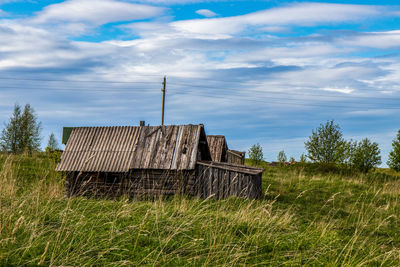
x=113, y=179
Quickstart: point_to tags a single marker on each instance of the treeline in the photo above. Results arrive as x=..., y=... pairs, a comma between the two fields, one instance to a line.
x=22, y=133
x=327, y=146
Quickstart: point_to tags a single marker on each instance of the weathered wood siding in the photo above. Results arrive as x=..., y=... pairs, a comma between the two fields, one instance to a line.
x=137, y=183
x=225, y=180
x=210, y=179
x=218, y=147
x=235, y=157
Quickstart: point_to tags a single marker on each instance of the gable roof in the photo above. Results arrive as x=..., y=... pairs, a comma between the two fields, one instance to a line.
x=120, y=149
x=218, y=147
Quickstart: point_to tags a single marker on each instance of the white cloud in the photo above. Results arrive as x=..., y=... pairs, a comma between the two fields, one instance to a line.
x=383, y=40
x=174, y=2
x=372, y=112
x=206, y=13
x=275, y=29
x=301, y=64
x=304, y=14
x=95, y=12
x=345, y=90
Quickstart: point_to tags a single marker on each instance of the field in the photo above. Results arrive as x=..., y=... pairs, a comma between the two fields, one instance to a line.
x=306, y=218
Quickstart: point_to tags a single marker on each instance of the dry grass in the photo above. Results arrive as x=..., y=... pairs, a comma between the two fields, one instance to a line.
x=303, y=220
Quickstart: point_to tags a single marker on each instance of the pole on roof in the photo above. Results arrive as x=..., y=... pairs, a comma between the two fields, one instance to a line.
x=163, y=99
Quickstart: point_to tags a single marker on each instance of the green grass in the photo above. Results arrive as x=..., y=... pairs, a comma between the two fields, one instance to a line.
x=306, y=218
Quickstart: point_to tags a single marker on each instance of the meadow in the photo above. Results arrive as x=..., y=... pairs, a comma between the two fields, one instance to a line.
x=307, y=217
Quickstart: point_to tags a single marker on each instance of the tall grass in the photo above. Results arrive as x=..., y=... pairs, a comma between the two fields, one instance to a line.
x=304, y=219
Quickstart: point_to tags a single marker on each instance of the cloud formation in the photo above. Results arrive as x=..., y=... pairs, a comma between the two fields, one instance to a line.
x=96, y=13
x=304, y=14
x=274, y=72
x=206, y=13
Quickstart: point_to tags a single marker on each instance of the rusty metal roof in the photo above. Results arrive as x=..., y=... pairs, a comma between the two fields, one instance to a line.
x=218, y=147
x=119, y=149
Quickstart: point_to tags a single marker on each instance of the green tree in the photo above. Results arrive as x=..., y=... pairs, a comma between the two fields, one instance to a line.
x=52, y=144
x=255, y=153
x=394, y=155
x=282, y=157
x=303, y=158
x=327, y=145
x=22, y=133
x=364, y=155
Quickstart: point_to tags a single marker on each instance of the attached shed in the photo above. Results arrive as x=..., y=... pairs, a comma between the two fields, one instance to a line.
x=218, y=147
x=220, y=152
x=145, y=160
x=235, y=157
x=221, y=180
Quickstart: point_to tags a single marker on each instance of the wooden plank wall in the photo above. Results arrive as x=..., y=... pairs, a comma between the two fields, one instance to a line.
x=138, y=183
x=204, y=182
x=220, y=183
x=234, y=157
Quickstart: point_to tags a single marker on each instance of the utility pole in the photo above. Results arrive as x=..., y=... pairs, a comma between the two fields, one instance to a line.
x=163, y=99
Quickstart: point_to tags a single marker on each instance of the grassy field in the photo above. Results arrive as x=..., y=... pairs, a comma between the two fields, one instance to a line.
x=306, y=218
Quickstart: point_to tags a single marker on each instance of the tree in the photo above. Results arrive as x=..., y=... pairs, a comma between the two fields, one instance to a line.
x=394, y=155
x=52, y=144
x=281, y=157
x=365, y=155
x=303, y=158
x=255, y=153
x=327, y=145
x=22, y=133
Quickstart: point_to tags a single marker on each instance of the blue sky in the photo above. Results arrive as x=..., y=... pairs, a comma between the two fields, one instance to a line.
x=263, y=72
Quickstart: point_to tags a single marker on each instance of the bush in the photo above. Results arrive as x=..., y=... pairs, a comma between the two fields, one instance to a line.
x=22, y=132
x=54, y=155
x=52, y=144
x=327, y=145
x=364, y=155
x=394, y=155
x=255, y=153
x=282, y=157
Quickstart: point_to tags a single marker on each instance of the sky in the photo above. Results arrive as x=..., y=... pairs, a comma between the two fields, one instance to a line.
x=266, y=72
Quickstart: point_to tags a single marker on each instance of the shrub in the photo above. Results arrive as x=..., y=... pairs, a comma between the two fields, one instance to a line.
x=327, y=145
x=394, y=155
x=255, y=153
x=282, y=157
x=22, y=132
x=52, y=143
x=303, y=158
x=364, y=155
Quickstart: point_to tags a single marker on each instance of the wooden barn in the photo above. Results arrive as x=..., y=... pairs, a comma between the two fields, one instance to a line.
x=220, y=152
x=149, y=161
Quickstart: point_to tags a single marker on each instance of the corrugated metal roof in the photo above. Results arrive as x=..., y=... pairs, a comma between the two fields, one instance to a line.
x=119, y=149
x=218, y=147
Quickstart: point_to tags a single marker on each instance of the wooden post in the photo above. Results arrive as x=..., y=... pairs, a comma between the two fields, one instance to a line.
x=163, y=100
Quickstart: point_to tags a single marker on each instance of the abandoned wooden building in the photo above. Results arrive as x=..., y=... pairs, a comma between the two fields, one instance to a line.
x=149, y=161
x=220, y=152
